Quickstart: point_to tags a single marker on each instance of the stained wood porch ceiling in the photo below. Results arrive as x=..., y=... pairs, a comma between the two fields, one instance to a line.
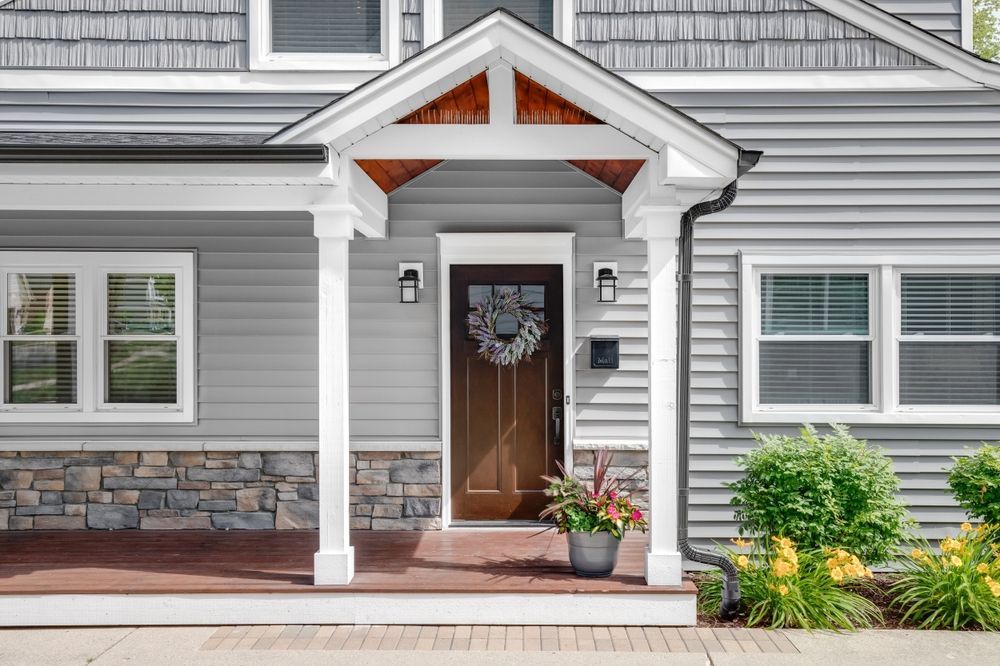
x=469, y=104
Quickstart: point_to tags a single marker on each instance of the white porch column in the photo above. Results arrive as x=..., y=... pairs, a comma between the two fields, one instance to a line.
x=662, y=228
x=334, y=563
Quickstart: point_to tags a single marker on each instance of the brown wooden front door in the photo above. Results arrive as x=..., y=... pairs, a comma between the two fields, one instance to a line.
x=503, y=432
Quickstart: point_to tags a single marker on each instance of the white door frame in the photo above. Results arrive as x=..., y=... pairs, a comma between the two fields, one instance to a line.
x=503, y=248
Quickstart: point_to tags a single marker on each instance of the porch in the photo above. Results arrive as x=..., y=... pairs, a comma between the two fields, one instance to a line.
x=457, y=576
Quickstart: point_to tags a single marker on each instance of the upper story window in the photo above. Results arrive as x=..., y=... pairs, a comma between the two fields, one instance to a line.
x=442, y=18
x=460, y=13
x=890, y=339
x=97, y=337
x=325, y=34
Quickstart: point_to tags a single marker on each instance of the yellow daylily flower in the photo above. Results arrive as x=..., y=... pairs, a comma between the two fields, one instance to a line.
x=956, y=561
x=982, y=567
x=782, y=590
x=916, y=553
x=742, y=561
x=966, y=527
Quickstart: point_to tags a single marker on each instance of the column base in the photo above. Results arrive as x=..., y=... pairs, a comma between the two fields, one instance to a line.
x=333, y=568
x=663, y=568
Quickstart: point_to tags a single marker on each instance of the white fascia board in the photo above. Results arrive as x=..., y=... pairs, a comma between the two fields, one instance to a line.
x=189, y=173
x=910, y=38
x=341, y=82
x=542, y=142
x=145, y=197
x=672, y=81
x=497, y=37
x=79, y=80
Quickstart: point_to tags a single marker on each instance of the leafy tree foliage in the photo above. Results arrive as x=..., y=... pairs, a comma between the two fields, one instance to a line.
x=986, y=28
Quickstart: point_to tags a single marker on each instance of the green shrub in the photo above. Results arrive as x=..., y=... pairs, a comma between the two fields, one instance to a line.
x=958, y=589
x=822, y=491
x=975, y=480
x=783, y=587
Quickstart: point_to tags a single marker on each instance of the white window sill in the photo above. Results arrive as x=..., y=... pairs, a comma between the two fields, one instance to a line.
x=333, y=63
x=76, y=417
x=927, y=417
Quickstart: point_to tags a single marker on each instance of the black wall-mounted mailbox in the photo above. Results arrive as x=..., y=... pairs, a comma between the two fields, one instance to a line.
x=604, y=353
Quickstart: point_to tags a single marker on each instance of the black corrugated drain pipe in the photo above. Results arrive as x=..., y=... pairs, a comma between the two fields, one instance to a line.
x=731, y=582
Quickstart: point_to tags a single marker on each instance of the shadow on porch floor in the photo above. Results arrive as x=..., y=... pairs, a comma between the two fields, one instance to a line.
x=191, y=562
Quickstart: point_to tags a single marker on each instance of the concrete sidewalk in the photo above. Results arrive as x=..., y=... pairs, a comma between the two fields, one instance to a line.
x=172, y=646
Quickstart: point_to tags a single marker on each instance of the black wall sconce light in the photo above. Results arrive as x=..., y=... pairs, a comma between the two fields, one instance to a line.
x=606, y=281
x=411, y=280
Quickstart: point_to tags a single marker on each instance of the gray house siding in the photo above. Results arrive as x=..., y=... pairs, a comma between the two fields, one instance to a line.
x=122, y=112
x=729, y=34
x=918, y=170
x=394, y=347
x=941, y=17
x=124, y=34
x=413, y=35
x=257, y=341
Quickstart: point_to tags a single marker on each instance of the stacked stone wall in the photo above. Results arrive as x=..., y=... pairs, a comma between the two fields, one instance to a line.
x=222, y=490
x=395, y=491
x=158, y=490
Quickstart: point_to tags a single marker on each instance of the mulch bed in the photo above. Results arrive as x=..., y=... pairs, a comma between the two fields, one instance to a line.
x=879, y=595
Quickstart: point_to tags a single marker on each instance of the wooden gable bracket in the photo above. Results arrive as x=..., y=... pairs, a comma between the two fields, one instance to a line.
x=471, y=103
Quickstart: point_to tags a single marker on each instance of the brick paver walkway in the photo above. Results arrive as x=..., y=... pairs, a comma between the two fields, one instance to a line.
x=498, y=638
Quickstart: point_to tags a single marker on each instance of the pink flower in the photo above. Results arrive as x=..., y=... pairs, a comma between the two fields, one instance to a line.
x=613, y=495
x=637, y=515
x=613, y=512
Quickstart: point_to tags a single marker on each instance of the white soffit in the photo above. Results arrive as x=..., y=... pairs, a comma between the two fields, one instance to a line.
x=500, y=37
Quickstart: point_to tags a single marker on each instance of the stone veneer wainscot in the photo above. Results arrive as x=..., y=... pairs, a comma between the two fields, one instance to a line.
x=209, y=490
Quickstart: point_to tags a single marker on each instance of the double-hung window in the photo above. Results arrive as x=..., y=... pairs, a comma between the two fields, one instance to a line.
x=325, y=34
x=853, y=338
x=97, y=337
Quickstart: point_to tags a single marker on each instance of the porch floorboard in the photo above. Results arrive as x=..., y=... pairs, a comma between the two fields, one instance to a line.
x=500, y=561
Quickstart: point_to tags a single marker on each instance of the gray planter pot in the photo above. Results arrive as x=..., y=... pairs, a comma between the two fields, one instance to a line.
x=593, y=555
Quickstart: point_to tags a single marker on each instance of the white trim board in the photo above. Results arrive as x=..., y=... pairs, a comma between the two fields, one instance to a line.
x=68, y=610
x=403, y=446
x=340, y=82
x=503, y=248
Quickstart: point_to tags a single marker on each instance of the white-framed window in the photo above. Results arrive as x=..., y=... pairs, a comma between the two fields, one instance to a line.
x=92, y=337
x=870, y=338
x=441, y=18
x=354, y=35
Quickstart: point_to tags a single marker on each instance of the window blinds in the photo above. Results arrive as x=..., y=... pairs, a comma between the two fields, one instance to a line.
x=326, y=26
x=40, y=346
x=460, y=13
x=141, y=342
x=949, y=349
x=813, y=346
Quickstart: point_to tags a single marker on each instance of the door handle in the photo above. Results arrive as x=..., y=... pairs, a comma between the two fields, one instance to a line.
x=557, y=414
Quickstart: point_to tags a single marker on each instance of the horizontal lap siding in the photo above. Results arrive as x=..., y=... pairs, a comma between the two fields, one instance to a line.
x=941, y=17
x=841, y=171
x=397, y=344
x=257, y=344
x=155, y=112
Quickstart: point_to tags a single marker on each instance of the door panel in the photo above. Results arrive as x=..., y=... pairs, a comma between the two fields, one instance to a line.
x=503, y=437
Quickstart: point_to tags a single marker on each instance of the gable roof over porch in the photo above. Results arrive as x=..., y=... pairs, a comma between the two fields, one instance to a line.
x=500, y=67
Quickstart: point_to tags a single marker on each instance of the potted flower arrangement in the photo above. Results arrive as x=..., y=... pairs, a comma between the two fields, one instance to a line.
x=595, y=518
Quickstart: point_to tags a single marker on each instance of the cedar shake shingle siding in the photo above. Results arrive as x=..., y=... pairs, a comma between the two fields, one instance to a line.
x=124, y=34
x=413, y=30
x=729, y=34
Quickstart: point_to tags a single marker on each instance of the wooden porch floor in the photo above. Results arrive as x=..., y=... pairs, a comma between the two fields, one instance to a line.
x=451, y=561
